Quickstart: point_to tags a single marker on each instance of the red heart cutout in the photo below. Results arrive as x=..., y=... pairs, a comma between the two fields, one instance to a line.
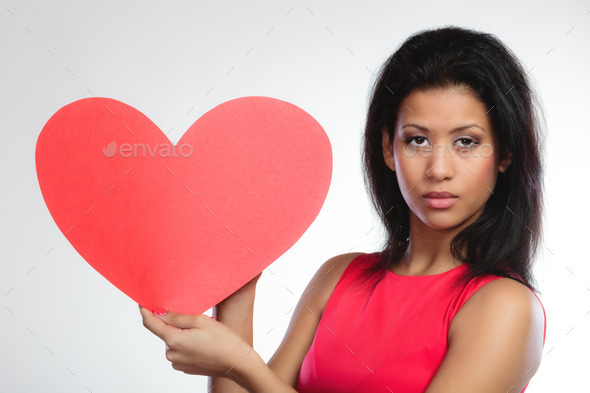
x=182, y=227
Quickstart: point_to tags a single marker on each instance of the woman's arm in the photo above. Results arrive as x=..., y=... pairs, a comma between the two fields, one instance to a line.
x=282, y=372
x=236, y=312
x=288, y=358
x=199, y=345
x=495, y=341
x=255, y=376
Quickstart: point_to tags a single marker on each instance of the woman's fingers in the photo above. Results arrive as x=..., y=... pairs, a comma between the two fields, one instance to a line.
x=155, y=325
x=180, y=358
x=185, y=321
x=181, y=321
x=196, y=344
x=187, y=369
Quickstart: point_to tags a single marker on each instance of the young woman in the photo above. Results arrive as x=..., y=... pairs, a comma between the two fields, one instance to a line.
x=452, y=156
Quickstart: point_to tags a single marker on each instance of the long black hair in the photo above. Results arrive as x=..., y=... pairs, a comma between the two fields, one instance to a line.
x=504, y=239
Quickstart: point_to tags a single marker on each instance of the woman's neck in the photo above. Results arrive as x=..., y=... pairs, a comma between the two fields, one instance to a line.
x=429, y=250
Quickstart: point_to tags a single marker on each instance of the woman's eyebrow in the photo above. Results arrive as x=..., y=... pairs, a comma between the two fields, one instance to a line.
x=425, y=129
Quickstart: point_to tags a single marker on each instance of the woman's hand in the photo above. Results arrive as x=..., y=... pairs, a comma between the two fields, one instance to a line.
x=197, y=344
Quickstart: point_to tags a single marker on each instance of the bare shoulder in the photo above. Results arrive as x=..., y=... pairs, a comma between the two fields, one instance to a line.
x=289, y=356
x=495, y=341
x=324, y=281
x=498, y=299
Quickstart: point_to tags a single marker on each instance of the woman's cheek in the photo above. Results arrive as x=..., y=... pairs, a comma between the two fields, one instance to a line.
x=407, y=173
x=486, y=174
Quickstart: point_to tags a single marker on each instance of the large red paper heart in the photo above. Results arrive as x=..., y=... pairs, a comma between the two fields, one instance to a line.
x=182, y=227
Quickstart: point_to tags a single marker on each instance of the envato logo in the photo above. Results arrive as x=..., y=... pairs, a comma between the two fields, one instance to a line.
x=141, y=150
x=483, y=150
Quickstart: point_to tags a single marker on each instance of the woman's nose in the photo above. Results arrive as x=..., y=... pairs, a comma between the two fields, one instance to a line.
x=441, y=163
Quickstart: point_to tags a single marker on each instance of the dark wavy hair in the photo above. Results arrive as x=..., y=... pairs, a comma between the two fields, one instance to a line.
x=504, y=239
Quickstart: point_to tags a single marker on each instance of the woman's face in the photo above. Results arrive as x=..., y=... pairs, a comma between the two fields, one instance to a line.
x=443, y=143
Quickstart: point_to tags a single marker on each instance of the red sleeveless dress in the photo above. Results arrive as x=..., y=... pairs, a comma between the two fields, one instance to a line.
x=391, y=338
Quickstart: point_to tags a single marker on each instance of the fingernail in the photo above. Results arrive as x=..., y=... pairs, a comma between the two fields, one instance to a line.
x=159, y=311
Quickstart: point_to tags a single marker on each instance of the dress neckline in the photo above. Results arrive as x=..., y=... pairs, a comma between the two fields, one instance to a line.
x=455, y=269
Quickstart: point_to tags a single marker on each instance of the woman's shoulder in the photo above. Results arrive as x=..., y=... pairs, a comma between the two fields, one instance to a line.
x=497, y=289
x=497, y=331
x=336, y=266
x=328, y=275
x=496, y=297
x=332, y=270
x=287, y=360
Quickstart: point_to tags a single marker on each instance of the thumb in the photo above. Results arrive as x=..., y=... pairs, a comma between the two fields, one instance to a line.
x=181, y=321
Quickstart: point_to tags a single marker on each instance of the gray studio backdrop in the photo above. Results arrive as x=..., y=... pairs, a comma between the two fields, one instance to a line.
x=65, y=328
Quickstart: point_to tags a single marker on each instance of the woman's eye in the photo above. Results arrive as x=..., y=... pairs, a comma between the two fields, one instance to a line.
x=416, y=140
x=466, y=142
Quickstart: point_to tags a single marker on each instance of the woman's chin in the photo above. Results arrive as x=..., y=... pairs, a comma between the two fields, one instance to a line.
x=441, y=223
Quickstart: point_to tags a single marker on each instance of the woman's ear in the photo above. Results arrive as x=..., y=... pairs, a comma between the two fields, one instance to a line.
x=505, y=162
x=387, y=146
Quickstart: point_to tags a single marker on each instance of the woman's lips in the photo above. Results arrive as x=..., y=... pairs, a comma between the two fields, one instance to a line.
x=440, y=194
x=440, y=200
x=440, y=203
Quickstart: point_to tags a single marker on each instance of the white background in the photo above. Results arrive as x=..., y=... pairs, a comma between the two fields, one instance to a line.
x=65, y=328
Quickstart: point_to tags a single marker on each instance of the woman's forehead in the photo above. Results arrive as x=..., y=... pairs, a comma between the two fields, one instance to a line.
x=443, y=109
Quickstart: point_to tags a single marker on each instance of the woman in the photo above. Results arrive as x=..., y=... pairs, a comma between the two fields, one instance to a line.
x=452, y=158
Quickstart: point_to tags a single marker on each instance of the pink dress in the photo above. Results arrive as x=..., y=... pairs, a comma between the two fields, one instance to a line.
x=392, y=338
